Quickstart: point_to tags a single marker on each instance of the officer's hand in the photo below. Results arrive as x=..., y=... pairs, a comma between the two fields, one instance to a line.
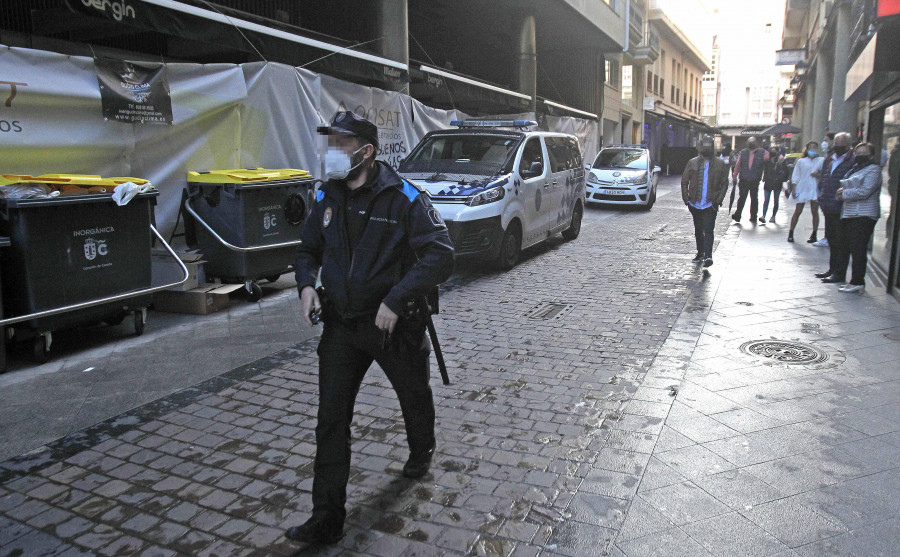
x=309, y=300
x=386, y=319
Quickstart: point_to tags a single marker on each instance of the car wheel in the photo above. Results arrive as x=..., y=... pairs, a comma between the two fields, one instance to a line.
x=650, y=200
x=575, y=227
x=511, y=246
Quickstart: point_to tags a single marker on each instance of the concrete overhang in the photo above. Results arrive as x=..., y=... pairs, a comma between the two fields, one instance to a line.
x=566, y=23
x=667, y=28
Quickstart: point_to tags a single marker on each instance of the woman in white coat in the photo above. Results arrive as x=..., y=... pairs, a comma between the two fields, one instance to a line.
x=804, y=188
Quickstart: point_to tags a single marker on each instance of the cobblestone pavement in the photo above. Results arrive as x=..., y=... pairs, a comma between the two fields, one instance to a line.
x=626, y=422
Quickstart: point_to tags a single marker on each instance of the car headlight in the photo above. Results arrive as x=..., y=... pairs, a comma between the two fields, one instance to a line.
x=592, y=179
x=485, y=197
x=637, y=180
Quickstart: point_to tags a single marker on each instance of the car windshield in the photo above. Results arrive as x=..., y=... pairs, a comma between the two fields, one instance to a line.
x=622, y=158
x=460, y=155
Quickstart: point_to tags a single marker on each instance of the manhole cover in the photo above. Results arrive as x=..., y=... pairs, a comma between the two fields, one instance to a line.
x=785, y=352
x=548, y=311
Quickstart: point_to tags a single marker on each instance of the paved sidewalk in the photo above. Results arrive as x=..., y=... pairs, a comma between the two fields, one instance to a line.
x=632, y=424
x=794, y=452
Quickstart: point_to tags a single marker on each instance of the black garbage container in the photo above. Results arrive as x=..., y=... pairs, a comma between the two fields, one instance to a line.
x=71, y=249
x=246, y=222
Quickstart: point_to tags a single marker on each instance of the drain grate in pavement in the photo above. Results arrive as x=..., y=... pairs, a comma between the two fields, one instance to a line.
x=550, y=311
x=785, y=352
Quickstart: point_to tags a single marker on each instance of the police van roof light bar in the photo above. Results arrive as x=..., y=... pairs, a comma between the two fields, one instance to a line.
x=493, y=123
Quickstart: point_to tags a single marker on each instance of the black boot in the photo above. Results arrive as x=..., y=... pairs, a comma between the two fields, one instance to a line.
x=418, y=464
x=812, y=238
x=791, y=236
x=318, y=530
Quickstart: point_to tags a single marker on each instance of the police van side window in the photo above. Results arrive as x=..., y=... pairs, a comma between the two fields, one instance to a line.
x=531, y=153
x=575, y=153
x=558, y=151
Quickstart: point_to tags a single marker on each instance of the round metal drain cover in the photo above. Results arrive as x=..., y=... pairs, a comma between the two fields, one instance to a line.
x=785, y=352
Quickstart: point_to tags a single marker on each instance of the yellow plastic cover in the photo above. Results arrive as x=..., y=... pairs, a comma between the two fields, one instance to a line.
x=81, y=180
x=245, y=175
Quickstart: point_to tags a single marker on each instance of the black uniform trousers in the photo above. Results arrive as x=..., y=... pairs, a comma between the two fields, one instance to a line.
x=704, y=227
x=346, y=351
x=834, y=233
x=856, y=232
x=745, y=188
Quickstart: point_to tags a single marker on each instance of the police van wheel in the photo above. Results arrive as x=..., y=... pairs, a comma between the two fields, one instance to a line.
x=273, y=278
x=575, y=227
x=511, y=247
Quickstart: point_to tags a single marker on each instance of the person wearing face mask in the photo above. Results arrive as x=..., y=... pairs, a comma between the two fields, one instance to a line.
x=380, y=247
x=803, y=188
x=748, y=171
x=861, y=192
x=703, y=188
x=774, y=176
x=835, y=166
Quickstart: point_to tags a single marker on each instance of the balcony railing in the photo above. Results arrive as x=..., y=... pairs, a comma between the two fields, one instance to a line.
x=648, y=50
x=862, y=14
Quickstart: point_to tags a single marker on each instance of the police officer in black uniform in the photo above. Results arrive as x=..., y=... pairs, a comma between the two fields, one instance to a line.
x=381, y=247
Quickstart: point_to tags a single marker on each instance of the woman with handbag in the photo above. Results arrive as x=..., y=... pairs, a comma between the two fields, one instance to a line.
x=860, y=191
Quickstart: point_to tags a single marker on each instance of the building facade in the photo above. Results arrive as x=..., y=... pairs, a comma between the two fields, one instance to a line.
x=848, y=79
x=673, y=93
x=547, y=57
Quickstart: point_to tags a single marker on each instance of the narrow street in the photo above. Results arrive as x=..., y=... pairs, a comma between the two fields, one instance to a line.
x=601, y=404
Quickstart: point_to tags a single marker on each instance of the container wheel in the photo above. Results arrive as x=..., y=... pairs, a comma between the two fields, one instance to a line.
x=116, y=319
x=139, y=322
x=273, y=278
x=40, y=350
x=254, y=292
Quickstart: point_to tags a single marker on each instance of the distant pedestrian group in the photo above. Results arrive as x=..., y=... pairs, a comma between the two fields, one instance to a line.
x=844, y=183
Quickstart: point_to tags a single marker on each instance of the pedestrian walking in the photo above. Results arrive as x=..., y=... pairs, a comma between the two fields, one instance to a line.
x=703, y=188
x=747, y=173
x=381, y=247
x=804, y=188
x=774, y=176
x=861, y=192
x=834, y=167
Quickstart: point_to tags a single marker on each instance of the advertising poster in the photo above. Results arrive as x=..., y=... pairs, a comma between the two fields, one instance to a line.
x=132, y=92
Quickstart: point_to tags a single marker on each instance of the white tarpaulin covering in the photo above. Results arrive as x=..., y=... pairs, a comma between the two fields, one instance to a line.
x=260, y=114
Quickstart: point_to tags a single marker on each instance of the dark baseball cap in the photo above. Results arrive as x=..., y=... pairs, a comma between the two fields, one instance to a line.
x=350, y=123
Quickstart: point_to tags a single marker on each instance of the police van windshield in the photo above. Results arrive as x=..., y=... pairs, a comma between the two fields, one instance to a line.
x=469, y=155
x=621, y=158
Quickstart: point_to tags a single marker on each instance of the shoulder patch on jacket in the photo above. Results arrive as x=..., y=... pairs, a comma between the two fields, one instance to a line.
x=320, y=195
x=410, y=191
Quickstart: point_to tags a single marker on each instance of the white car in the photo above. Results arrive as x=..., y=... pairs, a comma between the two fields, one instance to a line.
x=500, y=186
x=623, y=175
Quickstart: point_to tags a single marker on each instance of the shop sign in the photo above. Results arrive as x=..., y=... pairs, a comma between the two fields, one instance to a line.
x=888, y=7
x=790, y=57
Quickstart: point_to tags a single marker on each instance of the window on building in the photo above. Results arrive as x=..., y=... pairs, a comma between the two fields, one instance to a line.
x=612, y=73
x=662, y=87
x=627, y=85
x=649, y=81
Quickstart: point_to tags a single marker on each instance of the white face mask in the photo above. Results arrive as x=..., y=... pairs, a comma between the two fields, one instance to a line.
x=338, y=164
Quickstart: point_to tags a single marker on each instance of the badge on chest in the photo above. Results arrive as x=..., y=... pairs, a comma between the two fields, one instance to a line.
x=326, y=218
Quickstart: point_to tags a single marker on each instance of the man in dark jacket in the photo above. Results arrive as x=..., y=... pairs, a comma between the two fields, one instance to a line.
x=381, y=248
x=703, y=188
x=834, y=168
x=748, y=171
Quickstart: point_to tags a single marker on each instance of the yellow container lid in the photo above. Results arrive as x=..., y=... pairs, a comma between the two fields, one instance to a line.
x=245, y=175
x=88, y=180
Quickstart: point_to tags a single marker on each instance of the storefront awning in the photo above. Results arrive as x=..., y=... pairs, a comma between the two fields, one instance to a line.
x=198, y=23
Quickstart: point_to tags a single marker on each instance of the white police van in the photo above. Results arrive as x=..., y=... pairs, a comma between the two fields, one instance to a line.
x=500, y=187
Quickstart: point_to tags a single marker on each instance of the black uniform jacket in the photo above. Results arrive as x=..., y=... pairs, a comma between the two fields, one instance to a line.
x=403, y=252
